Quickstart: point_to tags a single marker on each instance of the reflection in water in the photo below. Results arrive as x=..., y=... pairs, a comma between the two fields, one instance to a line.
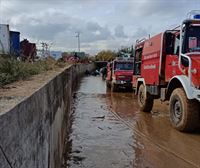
x=95, y=135
x=108, y=130
x=162, y=145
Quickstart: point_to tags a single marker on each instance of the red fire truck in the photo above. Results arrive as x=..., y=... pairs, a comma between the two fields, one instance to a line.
x=119, y=73
x=167, y=66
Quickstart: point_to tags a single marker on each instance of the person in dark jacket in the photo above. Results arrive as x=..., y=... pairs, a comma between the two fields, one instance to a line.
x=104, y=72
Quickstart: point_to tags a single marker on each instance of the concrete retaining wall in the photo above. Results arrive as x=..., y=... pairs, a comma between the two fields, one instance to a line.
x=32, y=134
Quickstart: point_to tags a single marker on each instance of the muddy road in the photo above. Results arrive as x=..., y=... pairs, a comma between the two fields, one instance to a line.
x=109, y=131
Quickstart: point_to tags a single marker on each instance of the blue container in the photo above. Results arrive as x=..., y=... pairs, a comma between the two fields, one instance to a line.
x=15, y=43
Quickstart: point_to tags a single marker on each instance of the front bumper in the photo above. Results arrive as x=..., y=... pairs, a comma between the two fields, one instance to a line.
x=196, y=94
x=122, y=83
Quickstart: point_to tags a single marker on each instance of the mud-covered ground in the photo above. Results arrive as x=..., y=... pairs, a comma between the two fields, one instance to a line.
x=109, y=131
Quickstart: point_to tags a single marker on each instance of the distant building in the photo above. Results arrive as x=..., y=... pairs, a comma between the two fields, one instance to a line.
x=78, y=54
x=4, y=39
x=15, y=43
x=56, y=54
x=28, y=50
x=9, y=41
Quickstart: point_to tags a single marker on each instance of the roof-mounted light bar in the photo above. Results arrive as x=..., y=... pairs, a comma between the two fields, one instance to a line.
x=194, y=15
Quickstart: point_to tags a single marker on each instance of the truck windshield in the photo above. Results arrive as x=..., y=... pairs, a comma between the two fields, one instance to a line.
x=123, y=66
x=193, y=39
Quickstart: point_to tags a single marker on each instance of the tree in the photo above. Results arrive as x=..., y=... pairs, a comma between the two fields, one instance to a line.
x=126, y=50
x=106, y=55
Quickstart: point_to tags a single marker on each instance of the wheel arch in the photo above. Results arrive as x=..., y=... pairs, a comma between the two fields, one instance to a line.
x=140, y=81
x=177, y=82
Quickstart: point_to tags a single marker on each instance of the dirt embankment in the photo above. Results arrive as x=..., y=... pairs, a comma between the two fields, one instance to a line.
x=13, y=93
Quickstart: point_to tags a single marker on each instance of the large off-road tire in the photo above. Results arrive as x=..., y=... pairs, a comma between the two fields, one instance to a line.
x=145, y=100
x=184, y=113
x=114, y=87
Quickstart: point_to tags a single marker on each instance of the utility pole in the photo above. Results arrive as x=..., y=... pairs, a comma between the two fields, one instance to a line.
x=0, y=12
x=78, y=37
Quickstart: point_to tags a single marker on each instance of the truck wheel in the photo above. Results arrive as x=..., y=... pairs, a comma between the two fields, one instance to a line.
x=145, y=100
x=184, y=114
x=114, y=88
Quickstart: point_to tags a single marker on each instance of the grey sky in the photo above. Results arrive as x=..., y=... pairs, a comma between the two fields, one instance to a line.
x=104, y=24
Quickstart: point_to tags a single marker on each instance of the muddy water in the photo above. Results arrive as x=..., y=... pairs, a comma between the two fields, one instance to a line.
x=109, y=131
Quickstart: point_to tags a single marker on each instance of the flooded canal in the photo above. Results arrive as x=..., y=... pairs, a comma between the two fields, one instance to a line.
x=108, y=131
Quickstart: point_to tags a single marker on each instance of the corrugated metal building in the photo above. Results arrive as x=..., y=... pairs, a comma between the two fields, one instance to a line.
x=4, y=39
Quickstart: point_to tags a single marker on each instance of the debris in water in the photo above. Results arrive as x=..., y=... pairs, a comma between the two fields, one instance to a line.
x=77, y=159
x=100, y=128
x=102, y=117
x=76, y=151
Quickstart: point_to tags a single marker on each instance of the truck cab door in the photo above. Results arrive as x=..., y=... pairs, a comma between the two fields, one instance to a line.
x=171, y=63
x=171, y=66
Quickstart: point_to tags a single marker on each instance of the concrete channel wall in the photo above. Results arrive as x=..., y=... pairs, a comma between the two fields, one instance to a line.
x=32, y=134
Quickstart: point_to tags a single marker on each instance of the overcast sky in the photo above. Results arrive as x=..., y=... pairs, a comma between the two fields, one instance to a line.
x=103, y=24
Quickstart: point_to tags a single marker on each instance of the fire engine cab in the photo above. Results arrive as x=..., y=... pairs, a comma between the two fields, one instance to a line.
x=167, y=66
x=119, y=73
